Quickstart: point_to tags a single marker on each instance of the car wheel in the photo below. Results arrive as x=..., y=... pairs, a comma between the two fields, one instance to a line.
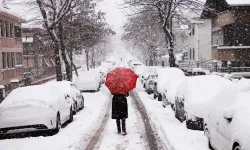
x=58, y=123
x=75, y=109
x=71, y=116
x=208, y=138
x=175, y=114
x=82, y=105
x=237, y=147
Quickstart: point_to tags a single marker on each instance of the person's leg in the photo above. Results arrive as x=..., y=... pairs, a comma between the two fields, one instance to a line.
x=124, y=125
x=118, y=125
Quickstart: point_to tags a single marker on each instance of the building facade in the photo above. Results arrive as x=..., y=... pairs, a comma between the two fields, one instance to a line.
x=11, y=52
x=230, y=32
x=199, y=42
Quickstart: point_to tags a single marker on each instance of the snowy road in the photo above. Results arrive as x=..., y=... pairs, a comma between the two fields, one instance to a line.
x=140, y=134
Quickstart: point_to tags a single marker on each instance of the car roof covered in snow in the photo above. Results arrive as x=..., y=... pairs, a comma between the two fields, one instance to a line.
x=64, y=86
x=200, y=90
x=44, y=93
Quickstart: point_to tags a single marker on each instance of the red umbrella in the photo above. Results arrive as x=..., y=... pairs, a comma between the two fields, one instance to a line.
x=121, y=80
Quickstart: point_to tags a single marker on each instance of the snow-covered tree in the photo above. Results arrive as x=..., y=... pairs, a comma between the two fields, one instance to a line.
x=166, y=11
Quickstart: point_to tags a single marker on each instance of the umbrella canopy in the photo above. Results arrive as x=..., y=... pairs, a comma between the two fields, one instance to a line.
x=121, y=80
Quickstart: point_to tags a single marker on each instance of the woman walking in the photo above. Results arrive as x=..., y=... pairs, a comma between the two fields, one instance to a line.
x=120, y=111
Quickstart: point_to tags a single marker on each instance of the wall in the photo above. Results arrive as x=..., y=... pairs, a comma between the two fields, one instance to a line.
x=201, y=41
x=205, y=38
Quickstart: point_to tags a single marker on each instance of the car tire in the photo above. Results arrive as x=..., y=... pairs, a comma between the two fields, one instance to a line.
x=71, y=116
x=58, y=123
x=208, y=138
x=75, y=109
x=236, y=147
x=82, y=105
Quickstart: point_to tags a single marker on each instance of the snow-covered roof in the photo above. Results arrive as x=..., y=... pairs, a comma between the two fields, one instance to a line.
x=238, y=2
x=10, y=12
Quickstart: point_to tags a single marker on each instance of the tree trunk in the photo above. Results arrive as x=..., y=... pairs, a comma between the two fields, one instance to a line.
x=63, y=52
x=87, y=58
x=171, y=45
x=71, y=62
x=74, y=66
x=57, y=56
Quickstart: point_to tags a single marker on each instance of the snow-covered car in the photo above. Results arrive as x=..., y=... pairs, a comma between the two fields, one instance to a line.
x=227, y=120
x=192, y=97
x=88, y=81
x=135, y=64
x=167, y=82
x=198, y=72
x=69, y=88
x=150, y=82
x=34, y=108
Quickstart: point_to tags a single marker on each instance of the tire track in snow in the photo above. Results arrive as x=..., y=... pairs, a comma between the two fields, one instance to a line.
x=93, y=143
x=153, y=141
x=133, y=140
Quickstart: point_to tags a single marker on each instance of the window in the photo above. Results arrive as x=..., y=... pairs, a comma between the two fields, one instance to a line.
x=190, y=53
x=12, y=60
x=2, y=28
x=193, y=53
x=217, y=37
x=4, y=59
x=8, y=60
x=11, y=30
x=193, y=31
x=19, y=59
x=7, y=29
x=17, y=31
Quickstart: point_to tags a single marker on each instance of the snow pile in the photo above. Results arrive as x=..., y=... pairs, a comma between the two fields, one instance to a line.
x=168, y=80
x=243, y=85
x=200, y=90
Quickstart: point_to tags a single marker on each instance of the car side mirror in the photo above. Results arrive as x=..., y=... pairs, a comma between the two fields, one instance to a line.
x=80, y=90
x=228, y=119
x=228, y=115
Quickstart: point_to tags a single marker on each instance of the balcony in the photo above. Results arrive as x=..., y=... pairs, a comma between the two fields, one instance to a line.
x=231, y=17
x=11, y=42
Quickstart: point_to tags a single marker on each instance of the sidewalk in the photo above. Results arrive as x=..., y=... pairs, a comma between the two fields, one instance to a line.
x=173, y=133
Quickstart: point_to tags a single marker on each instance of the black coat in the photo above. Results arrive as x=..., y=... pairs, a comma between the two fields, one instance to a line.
x=119, y=106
